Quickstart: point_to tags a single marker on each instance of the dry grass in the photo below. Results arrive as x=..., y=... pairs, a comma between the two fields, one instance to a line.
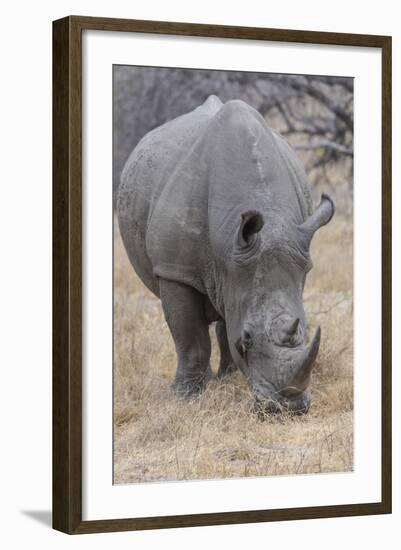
x=160, y=437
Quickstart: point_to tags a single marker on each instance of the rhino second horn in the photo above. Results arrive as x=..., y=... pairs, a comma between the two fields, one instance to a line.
x=292, y=329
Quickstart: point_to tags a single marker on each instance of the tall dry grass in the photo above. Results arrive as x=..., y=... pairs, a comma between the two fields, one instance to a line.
x=158, y=436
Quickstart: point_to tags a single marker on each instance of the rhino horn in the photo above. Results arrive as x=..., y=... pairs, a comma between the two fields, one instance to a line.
x=307, y=360
x=300, y=375
x=296, y=378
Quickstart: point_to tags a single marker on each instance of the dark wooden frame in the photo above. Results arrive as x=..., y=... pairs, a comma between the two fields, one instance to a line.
x=67, y=278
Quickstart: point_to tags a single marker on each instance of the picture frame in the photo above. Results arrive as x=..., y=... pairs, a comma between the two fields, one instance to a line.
x=68, y=293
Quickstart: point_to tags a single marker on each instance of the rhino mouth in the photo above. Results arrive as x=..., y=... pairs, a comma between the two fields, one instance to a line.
x=289, y=401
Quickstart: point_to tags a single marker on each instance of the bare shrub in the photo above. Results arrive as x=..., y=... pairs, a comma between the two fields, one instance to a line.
x=216, y=435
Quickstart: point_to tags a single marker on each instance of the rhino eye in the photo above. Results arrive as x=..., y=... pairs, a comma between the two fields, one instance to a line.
x=246, y=339
x=243, y=343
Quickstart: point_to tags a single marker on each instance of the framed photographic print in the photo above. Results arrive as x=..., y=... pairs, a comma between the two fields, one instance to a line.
x=221, y=274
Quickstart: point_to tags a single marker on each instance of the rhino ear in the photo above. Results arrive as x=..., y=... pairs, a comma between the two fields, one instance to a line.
x=321, y=216
x=251, y=223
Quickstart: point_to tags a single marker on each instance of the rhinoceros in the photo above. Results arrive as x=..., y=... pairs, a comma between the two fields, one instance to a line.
x=216, y=218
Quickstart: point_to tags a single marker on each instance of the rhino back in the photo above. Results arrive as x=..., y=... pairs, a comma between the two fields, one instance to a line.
x=161, y=200
x=253, y=169
x=185, y=185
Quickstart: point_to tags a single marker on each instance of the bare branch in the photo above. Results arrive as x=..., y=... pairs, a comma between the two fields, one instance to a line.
x=325, y=143
x=327, y=102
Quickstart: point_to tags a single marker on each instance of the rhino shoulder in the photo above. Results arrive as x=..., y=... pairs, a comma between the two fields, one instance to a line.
x=182, y=123
x=238, y=115
x=171, y=140
x=211, y=105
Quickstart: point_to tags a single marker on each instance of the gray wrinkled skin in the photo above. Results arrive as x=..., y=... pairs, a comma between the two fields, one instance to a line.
x=216, y=218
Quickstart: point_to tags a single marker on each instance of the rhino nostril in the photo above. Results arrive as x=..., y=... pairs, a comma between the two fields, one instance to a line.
x=246, y=339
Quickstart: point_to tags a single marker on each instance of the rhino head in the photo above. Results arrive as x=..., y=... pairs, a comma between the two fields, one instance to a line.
x=265, y=317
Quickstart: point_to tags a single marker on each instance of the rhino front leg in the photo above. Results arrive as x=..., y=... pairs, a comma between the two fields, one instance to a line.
x=184, y=311
x=226, y=361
